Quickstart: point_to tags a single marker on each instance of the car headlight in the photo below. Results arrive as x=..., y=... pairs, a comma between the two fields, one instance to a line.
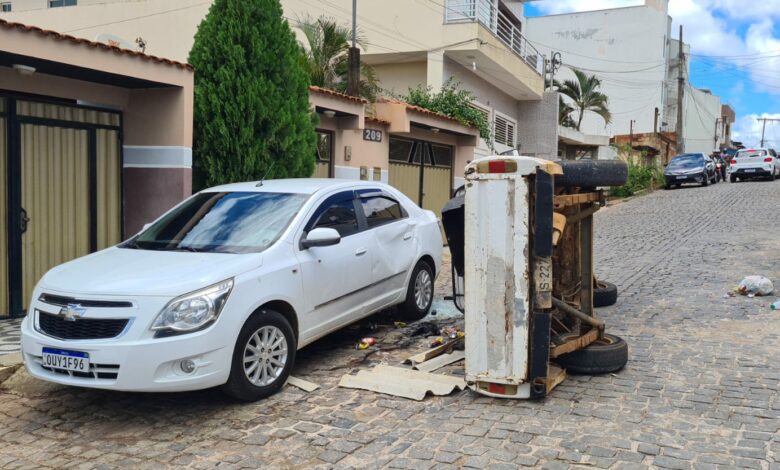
x=193, y=311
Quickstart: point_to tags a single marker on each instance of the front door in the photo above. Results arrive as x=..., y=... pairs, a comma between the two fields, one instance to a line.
x=335, y=278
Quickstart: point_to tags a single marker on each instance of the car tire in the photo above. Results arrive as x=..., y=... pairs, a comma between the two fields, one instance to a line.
x=705, y=180
x=733, y=179
x=604, y=294
x=263, y=328
x=592, y=173
x=608, y=354
x=419, y=294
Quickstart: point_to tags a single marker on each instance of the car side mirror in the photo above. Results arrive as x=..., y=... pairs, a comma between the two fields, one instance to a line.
x=321, y=236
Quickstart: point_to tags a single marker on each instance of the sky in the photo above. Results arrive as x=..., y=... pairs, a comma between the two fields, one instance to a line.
x=735, y=52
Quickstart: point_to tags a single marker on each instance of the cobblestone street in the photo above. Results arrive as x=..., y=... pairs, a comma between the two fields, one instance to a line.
x=700, y=389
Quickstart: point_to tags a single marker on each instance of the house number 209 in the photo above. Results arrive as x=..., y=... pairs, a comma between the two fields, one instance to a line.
x=372, y=135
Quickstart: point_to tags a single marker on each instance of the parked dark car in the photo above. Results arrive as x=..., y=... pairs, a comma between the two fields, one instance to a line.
x=690, y=168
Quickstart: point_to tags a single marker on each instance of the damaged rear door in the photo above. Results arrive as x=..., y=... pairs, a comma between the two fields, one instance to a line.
x=393, y=235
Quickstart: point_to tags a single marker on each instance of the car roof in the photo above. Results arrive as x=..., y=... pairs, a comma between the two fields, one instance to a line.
x=294, y=185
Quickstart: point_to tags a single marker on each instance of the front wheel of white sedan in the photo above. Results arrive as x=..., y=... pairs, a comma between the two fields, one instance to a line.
x=262, y=358
x=419, y=294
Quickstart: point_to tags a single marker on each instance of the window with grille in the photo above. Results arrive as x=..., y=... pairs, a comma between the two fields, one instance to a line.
x=5, y=6
x=504, y=130
x=62, y=3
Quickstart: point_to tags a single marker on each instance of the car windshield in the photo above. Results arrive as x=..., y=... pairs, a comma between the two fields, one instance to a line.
x=227, y=222
x=686, y=161
x=751, y=153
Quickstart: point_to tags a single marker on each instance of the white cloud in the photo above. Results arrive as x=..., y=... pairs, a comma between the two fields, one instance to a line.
x=748, y=130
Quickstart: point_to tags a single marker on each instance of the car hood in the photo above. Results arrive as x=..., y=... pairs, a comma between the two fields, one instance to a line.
x=123, y=271
x=684, y=170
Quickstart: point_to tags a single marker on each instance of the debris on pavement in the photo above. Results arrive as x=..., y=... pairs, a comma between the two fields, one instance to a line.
x=366, y=342
x=399, y=324
x=440, y=361
x=304, y=385
x=426, y=329
x=755, y=285
x=433, y=352
x=400, y=382
x=775, y=305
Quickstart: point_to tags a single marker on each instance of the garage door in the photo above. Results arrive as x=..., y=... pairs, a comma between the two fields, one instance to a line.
x=64, y=180
x=422, y=171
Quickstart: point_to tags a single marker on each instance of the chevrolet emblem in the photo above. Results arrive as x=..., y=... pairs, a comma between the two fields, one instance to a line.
x=72, y=312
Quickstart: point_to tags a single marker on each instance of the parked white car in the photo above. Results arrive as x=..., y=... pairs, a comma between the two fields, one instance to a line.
x=225, y=287
x=754, y=163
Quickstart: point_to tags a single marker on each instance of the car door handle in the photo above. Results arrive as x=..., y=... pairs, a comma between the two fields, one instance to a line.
x=407, y=235
x=360, y=251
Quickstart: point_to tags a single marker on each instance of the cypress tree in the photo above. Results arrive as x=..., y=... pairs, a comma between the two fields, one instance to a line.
x=252, y=116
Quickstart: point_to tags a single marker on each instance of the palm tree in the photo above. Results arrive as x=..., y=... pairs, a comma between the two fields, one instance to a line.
x=585, y=95
x=326, y=56
x=564, y=113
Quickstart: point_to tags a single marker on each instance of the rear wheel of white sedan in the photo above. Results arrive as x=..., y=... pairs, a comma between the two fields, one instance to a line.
x=262, y=358
x=419, y=295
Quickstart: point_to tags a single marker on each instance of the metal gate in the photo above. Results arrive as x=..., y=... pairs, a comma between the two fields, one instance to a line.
x=422, y=170
x=62, y=165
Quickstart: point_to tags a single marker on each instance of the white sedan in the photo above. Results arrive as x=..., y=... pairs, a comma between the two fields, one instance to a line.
x=225, y=287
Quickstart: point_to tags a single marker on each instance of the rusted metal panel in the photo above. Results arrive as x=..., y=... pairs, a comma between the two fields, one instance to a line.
x=575, y=344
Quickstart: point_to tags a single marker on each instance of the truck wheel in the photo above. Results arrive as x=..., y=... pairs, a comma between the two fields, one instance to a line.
x=592, y=173
x=608, y=354
x=262, y=358
x=419, y=294
x=604, y=294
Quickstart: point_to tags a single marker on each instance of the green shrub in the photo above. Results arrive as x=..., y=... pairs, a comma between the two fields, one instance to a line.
x=640, y=177
x=451, y=101
x=251, y=113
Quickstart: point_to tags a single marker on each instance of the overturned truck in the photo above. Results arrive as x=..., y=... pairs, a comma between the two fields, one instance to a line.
x=521, y=236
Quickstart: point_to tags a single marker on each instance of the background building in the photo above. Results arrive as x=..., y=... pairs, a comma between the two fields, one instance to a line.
x=631, y=51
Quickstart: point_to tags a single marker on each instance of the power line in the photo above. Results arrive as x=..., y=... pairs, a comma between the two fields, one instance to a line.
x=138, y=17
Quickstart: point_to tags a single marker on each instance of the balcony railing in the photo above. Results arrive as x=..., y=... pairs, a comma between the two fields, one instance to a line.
x=487, y=13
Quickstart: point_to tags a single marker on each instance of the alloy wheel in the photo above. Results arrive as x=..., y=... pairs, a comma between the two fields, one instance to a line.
x=265, y=356
x=423, y=289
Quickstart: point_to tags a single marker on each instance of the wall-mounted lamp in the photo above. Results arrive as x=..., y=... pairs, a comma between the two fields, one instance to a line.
x=329, y=113
x=24, y=69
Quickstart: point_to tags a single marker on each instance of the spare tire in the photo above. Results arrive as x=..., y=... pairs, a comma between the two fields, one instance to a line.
x=604, y=294
x=605, y=355
x=592, y=173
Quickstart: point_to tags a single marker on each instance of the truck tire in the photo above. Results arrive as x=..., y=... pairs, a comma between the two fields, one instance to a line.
x=608, y=354
x=604, y=294
x=592, y=173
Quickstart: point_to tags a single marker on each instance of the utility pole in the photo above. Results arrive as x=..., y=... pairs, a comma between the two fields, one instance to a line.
x=680, y=95
x=631, y=133
x=763, y=127
x=353, y=73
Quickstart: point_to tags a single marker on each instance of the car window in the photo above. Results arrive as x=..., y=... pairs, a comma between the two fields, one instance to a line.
x=380, y=210
x=751, y=153
x=224, y=222
x=340, y=216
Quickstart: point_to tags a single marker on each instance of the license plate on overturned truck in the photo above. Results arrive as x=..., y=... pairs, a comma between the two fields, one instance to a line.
x=75, y=361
